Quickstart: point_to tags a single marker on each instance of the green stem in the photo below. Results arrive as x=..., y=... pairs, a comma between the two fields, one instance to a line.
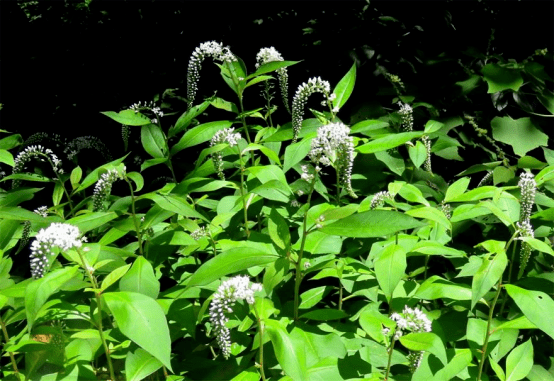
x=298, y=279
x=137, y=226
x=505, y=296
x=7, y=339
x=340, y=294
x=261, y=333
x=488, y=333
x=245, y=209
x=338, y=189
x=99, y=304
x=390, y=359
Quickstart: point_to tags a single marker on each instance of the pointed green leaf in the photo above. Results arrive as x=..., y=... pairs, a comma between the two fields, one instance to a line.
x=425, y=342
x=279, y=230
x=291, y=359
x=128, y=117
x=375, y=223
x=456, y=189
x=538, y=307
x=199, y=134
x=141, y=279
x=388, y=142
x=520, y=133
x=139, y=364
x=142, y=320
x=390, y=268
x=344, y=88
x=488, y=275
x=519, y=362
x=500, y=78
x=418, y=154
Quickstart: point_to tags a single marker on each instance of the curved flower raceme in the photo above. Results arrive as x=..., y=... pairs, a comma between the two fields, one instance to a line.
x=35, y=151
x=61, y=235
x=266, y=55
x=333, y=145
x=414, y=321
x=211, y=49
x=228, y=293
x=103, y=188
x=223, y=136
x=314, y=85
x=528, y=188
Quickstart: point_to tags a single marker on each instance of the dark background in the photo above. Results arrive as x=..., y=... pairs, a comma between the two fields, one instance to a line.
x=65, y=61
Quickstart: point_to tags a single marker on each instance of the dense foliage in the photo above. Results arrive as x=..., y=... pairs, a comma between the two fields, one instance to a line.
x=293, y=239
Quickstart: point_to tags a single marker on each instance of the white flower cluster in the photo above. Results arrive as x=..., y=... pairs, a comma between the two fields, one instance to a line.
x=407, y=117
x=396, y=82
x=306, y=174
x=415, y=321
x=446, y=210
x=62, y=235
x=223, y=136
x=103, y=187
x=315, y=84
x=148, y=106
x=266, y=55
x=379, y=199
x=333, y=146
x=42, y=211
x=486, y=179
x=528, y=188
x=207, y=49
x=229, y=292
x=87, y=142
x=199, y=233
x=427, y=142
x=35, y=151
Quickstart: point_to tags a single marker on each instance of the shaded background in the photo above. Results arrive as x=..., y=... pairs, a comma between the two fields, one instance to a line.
x=64, y=61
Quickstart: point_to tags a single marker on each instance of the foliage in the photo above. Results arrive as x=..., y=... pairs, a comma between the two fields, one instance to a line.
x=367, y=259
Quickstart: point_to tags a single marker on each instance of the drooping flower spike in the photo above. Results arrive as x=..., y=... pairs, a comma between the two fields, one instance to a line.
x=223, y=136
x=35, y=151
x=528, y=188
x=334, y=145
x=266, y=55
x=228, y=293
x=406, y=114
x=211, y=49
x=61, y=235
x=315, y=84
x=103, y=187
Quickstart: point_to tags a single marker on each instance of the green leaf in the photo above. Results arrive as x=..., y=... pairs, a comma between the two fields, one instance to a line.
x=418, y=154
x=431, y=213
x=425, y=342
x=114, y=275
x=230, y=261
x=501, y=78
x=369, y=125
x=265, y=150
x=220, y=103
x=538, y=307
x=324, y=315
x=326, y=369
x=497, y=369
x=141, y=279
x=295, y=152
x=469, y=84
x=375, y=223
x=258, y=80
x=10, y=141
x=142, y=320
x=199, y=134
x=487, y=275
x=57, y=195
x=27, y=176
x=186, y=118
x=520, y=133
x=273, y=190
x=539, y=373
x=518, y=323
x=310, y=298
x=6, y=157
x=433, y=126
x=540, y=246
x=271, y=66
x=92, y=220
x=174, y=203
x=344, y=88
x=435, y=287
x=38, y=291
x=137, y=178
x=388, y=142
x=390, y=268
x=279, y=230
x=460, y=360
x=128, y=117
x=412, y=194
x=457, y=188
x=139, y=364
x=519, y=362
x=292, y=361
x=75, y=177
x=153, y=140
x=17, y=213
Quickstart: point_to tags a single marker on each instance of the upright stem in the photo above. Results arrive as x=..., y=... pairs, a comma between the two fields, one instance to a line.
x=301, y=252
x=99, y=304
x=487, y=336
x=7, y=339
x=243, y=196
x=338, y=189
x=505, y=297
x=137, y=226
x=261, y=333
x=390, y=359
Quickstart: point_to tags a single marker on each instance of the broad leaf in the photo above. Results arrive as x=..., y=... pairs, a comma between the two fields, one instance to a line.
x=519, y=362
x=141, y=279
x=390, y=268
x=538, y=307
x=344, y=88
x=292, y=361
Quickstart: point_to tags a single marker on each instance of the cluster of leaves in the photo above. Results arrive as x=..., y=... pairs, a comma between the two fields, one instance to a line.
x=136, y=302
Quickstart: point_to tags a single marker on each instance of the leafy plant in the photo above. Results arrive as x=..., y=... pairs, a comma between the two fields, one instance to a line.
x=308, y=250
